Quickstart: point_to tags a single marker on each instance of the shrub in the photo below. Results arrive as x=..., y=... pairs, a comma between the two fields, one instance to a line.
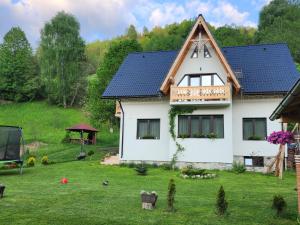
x=238, y=167
x=222, y=204
x=171, y=195
x=91, y=153
x=30, y=161
x=166, y=166
x=141, y=169
x=279, y=204
x=211, y=136
x=183, y=135
x=189, y=171
x=67, y=137
x=45, y=160
x=131, y=165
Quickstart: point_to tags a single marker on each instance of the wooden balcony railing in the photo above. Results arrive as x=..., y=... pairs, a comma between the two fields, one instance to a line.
x=200, y=93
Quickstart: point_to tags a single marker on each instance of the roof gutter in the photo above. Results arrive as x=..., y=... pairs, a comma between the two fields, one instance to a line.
x=285, y=101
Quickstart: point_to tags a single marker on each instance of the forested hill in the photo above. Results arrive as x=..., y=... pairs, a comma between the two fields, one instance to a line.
x=279, y=22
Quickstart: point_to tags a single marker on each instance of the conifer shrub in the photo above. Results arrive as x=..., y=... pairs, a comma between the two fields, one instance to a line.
x=279, y=204
x=141, y=169
x=222, y=204
x=171, y=195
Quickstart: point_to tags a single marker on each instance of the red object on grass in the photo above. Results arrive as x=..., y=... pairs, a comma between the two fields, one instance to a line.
x=64, y=180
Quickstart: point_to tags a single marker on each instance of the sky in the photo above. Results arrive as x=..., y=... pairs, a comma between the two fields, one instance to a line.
x=104, y=19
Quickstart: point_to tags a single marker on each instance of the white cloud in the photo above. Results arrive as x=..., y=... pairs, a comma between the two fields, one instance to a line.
x=108, y=18
x=105, y=18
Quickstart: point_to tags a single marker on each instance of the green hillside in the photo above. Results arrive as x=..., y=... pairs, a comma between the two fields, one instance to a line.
x=45, y=125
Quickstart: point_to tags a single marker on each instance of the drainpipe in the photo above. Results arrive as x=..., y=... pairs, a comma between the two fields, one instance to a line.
x=122, y=135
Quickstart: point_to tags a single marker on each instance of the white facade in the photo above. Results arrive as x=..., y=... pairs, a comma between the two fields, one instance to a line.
x=197, y=150
x=205, y=152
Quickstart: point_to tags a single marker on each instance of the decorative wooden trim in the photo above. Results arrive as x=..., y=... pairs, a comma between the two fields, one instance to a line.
x=200, y=93
x=182, y=53
x=118, y=110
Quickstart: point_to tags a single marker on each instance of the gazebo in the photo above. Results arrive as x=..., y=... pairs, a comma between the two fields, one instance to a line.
x=84, y=128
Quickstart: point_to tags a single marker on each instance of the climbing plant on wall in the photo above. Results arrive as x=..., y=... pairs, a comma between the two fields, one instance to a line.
x=173, y=113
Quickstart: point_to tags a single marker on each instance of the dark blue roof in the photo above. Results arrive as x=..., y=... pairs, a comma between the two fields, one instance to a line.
x=266, y=68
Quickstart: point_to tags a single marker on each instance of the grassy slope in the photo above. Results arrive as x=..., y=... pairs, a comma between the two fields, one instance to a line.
x=44, y=123
x=37, y=198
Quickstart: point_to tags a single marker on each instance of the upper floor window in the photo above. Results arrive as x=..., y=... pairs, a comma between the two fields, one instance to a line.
x=201, y=80
x=206, y=52
x=148, y=128
x=254, y=128
x=195, y=53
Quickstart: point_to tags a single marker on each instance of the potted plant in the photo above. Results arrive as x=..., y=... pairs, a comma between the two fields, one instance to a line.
x=148, y=199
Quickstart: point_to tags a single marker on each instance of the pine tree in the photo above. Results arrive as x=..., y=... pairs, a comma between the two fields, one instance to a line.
x=222, y=204
x=131, y=32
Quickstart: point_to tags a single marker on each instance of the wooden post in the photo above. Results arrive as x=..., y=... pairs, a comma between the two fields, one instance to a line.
x=297, y=161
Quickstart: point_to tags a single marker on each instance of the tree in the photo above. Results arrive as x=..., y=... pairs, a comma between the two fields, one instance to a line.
x=171, y=195
x=280, y=22
x=19, y=80
x=171, y=37
x=221, y=204
x=131, y=32
x=62, y=60
x=233, y=36
x=103, y=110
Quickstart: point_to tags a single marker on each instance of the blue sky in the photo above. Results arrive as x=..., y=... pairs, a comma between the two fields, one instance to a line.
x=103, y=19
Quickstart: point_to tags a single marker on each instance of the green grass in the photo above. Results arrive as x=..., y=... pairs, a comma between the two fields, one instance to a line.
x=38, y=198
x=45, y=123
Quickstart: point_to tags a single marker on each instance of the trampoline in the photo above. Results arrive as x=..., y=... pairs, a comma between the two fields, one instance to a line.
x=10, y=145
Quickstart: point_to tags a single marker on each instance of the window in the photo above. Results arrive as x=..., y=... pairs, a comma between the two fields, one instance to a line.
x=148, y=129
x=201, y=80
x=254, y=128
x=201, y=126
x=195, y=53
x=255, y=161
x=206, y=52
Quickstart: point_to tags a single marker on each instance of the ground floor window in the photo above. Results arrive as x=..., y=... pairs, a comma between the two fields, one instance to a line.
x=255, y=161
x=201, y=126
x=148, y=128
x=254, y=128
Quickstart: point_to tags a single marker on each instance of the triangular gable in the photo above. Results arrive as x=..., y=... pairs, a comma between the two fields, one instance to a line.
x=200, y=24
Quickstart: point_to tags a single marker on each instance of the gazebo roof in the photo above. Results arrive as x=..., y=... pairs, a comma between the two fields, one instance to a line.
x=82, y=127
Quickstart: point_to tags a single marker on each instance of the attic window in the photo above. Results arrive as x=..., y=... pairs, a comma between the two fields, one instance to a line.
x=206, y=52
x=195, y=53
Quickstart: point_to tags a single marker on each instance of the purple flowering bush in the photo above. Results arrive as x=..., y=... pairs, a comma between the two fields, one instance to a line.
x=280, y=137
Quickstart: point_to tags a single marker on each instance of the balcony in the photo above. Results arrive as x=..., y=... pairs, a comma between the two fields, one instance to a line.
x=200, y=95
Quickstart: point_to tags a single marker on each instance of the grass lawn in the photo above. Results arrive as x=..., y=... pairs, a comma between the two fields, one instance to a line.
x=38, y=198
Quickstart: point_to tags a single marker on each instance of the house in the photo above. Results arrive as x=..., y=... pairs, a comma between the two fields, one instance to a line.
x=221, y=99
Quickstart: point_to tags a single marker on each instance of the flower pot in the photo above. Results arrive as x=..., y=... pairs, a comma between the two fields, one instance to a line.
x=148, y=200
